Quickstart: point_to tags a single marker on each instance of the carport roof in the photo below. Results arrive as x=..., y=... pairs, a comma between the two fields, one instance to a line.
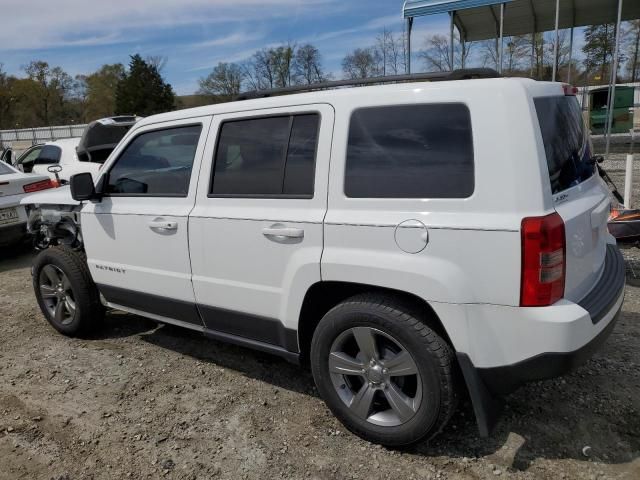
x=479, y=19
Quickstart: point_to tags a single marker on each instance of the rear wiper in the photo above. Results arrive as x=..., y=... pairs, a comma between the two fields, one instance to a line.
x=597, y=160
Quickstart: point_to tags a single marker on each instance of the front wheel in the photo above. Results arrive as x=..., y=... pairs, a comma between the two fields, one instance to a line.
x=65, y=291
x=383, y=373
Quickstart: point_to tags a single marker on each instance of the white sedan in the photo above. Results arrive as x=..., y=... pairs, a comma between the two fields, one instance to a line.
x=14, y=185
x=61, y=153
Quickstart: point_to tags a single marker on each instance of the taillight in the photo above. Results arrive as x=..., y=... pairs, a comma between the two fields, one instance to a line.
x=37, y=186
x=543, y=260
x=569, y=90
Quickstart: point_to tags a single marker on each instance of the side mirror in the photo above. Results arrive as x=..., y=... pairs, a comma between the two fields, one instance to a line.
x=82, y=187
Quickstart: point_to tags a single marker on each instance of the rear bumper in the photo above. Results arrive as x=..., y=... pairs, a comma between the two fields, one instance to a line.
x=602, y=304
x=506, y=379
x=554, y=340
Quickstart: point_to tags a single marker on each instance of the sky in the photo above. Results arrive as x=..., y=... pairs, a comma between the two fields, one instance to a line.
x=82, y=35
x=194, y=35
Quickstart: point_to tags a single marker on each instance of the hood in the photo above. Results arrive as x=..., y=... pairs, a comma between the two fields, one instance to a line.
x=54, y=196
x=100, y=137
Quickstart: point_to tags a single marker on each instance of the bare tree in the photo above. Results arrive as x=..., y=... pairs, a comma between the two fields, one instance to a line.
x=157, y=61
x=633, y=49
x=437, y=53
x=282, y=59
x=391, y=52
x=516, y=50
x=308, y=65
x=270, y=68
x=562, y=60
x=223, y=83
x=362, y=63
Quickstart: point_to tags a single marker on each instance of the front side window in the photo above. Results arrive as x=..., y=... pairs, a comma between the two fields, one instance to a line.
x=410, y=151
x=156, y=163
x=271, y=156
x=29, y=156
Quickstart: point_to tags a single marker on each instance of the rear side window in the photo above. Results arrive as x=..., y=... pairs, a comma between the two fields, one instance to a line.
x=565, y=141
x=410, y=151
x=156, y=163
x=49, y=155
x=271, y=156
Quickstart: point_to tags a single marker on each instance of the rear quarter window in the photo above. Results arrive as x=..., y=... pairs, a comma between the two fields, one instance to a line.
x=565, y=141
x=410, y=151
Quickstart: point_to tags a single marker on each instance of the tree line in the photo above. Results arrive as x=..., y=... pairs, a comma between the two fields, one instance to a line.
x=292, y=64
x=47, y=95
x=533, y=55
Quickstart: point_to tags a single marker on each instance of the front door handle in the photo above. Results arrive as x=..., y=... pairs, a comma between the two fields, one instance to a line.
x=283, y=232
x=159, y=224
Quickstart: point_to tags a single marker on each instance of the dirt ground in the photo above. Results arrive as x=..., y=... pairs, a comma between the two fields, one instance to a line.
x=138, y=400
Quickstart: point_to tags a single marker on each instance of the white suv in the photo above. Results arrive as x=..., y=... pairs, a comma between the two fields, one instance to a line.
x=396, y=237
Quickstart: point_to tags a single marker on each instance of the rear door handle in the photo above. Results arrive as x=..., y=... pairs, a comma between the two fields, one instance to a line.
x=165, y=225
x=283, y=232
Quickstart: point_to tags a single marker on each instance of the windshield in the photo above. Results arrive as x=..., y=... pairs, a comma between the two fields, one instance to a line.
x=565, y=141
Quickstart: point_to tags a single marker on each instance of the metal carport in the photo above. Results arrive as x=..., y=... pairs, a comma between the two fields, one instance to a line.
x=488, y=19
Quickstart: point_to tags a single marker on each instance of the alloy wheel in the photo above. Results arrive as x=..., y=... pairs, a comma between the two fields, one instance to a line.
x=375, y=376
x=57, y=294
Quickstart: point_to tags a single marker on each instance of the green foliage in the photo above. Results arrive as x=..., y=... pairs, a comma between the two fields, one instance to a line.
x=99, y=91
x=45, y=97
x=142, y=91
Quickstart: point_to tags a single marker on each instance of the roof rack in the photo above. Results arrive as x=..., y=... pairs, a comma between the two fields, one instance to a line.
x=461, y=74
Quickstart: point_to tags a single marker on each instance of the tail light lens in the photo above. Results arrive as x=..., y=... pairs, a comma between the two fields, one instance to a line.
x=543, y=261
x=41, y=185
x=569, y=90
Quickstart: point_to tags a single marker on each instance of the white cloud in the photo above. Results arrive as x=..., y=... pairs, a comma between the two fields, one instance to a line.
x=38, y=24
x=388, y=21
x=236, y=38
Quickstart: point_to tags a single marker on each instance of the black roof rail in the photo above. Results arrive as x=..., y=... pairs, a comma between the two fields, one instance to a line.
x=461, y=74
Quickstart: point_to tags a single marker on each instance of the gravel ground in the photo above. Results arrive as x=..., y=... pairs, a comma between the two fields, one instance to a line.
x=138, y=400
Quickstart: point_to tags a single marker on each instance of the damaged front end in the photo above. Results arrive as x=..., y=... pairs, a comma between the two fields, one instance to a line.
x=52, y=225
x=54, y=219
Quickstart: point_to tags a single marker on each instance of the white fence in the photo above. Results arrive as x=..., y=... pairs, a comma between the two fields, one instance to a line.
x=40, y=135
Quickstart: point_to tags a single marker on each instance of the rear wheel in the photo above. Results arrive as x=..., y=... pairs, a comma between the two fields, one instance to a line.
x=65, y=291
x=387, y=376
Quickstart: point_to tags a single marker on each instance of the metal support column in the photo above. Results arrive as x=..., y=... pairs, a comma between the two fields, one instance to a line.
x=463, y=48
x=612, y=82
x=501, y=49
x=555, y=47
x=533, y=53
x=570, y=56
x=409, y=25
x=451, y=59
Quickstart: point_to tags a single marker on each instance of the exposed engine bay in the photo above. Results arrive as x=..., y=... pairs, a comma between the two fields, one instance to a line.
x=53, y=225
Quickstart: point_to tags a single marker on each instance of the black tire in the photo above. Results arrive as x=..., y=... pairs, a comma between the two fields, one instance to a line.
x=88, y=312
x=432, y=356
